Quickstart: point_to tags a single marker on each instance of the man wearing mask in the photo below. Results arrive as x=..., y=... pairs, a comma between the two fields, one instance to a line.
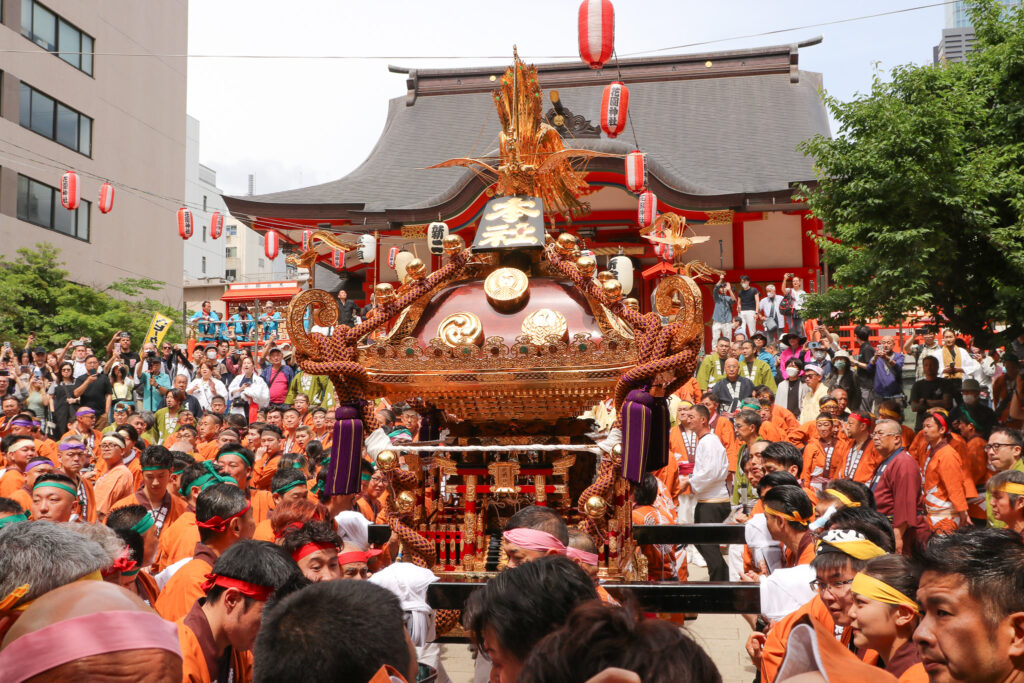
x=820, y=356
x=887, y=369
x=929, y=347
x=981, y=414
x=842, y=376
x=769, y=314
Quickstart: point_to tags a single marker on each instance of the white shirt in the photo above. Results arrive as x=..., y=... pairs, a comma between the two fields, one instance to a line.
x=200, y=388
x=766, y=305
x=711, y=467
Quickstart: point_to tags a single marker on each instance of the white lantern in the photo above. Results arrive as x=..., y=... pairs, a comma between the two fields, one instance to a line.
x=622, y=266
x=367, y=250
x=436, y=232
x=402, y=262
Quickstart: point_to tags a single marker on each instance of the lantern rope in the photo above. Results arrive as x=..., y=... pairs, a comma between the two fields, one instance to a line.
x=629, y=110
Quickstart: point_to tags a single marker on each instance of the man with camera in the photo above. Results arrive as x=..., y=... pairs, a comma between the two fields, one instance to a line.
x=154, y=382
x=721, y=318
x=94, y=390
x=119, y=349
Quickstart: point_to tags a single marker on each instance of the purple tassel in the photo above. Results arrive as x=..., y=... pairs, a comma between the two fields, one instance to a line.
x=636, y=434
x=346, y=451
x=657, y=456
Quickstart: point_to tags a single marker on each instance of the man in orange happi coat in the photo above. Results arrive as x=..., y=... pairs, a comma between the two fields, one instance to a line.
x=155, y=495
x=178, y=539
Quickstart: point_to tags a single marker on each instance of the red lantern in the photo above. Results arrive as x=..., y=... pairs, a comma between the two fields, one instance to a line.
x=597, y=32
x=647, y=209
x=216, y=224
x=636, y=171
x=186, y=223
x=70, y=191
x=270, y=244
x=392, y=255
x=614, y=108
x=106, y=197
x=307, y=235
x=337, y=258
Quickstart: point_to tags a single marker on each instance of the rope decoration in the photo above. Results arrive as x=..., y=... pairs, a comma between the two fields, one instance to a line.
x=423, y=552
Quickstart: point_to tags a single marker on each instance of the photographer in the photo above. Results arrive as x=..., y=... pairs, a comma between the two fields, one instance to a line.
x=119, y=350
x=721, y=319
x=154, y=383
x=886, y=367
x=94, y=390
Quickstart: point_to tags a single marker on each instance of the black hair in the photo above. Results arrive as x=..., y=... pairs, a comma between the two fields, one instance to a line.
x=773, y=479
x=11, y=439
x=216, y=418
x=136, y=546
x=236, y=421
x=1010, y=433
x=257, y=562
x=598, y=636
x=125, y=517
x=9, y=506
x=854, y=490
x=988, y=560
x=542, y=519
x=272, y=429
x=790, y=500
x=311, y=532
x=189, y=475
x=646, y=491
x=581, y=540
x=897, y=571
x=133, y=434
x=219, y=500
x=299, y=642
x=750, y=418
x=237, y=449
x=862, y=332
x=182, y=460
x=873, y=525
x=285, y=476
x=56, y=477
x=525, y=603
x=314, y=452
x=157, y=456
x=786, y=454
x=763, y=389
x=701, y=410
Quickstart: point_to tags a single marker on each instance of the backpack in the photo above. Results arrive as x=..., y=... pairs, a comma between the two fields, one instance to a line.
x=786, y=307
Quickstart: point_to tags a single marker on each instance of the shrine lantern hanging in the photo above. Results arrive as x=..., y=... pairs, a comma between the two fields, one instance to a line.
x=402, y=262
x=367, y=250
x=622, y=266
x=307, y=235
x=106, y=202
x=216, y=225
x=647, y=209
x=186, y=223
x=271, y=242
x=596, y=32
x=70, y=191
x=636, y=172
x=337, y=258
x=392, y=256
x=436, y=232
x=614, y=108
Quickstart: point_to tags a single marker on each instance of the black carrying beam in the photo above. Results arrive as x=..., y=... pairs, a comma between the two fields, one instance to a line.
x=689, y=534
x=690, y=597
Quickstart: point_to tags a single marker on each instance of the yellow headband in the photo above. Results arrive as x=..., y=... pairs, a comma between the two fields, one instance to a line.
x=861, y=549
x=92, y=576
x=874, y=589
x=795, y=517
x=11, y=598
x=885, y=412
x=1011, y=487
x=842, y=498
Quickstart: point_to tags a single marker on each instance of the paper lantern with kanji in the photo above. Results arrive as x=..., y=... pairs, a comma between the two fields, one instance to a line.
x=271, y=243
x=614, y=108
x=622, y=266
x=186, y=223
x=367, y=250
x=337, y=258
x=392, y=256
x=307, y=235
x=216, y=225
x=106, y=202
x=647, y=209
x=665, y=252
x=70, y=191
x=596, y=32
x=636, y=172
x=436, y=232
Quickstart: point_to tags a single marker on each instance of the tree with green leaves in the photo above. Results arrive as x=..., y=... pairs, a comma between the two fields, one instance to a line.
x=922, y=190
x=37, y=298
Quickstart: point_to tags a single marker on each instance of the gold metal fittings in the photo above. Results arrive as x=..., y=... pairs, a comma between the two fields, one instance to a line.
x=405, y=502
x=387, y=461
x=461, y=328
x=544, y=323
x=587, y=265
x=612, y=289
x=453, y=244
x=596, y=507
x=507, y=289
x=565, y=243
x=383, y=294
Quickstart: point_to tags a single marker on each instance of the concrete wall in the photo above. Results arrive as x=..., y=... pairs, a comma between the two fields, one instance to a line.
x=138, y=139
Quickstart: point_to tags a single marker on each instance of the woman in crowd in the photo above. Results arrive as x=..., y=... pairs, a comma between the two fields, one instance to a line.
x=122, y=383
x=792, y=389
x=842, y=376
x=249, y=388
x=38, y=401
x=65, y=403
x=206, y=385
x=167, y=418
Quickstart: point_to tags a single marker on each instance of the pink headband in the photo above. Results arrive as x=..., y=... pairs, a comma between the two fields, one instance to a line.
x=85, y=636
x=533, y=539
x=581, y=555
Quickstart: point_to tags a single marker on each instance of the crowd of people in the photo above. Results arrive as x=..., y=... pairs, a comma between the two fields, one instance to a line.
x=170, y=502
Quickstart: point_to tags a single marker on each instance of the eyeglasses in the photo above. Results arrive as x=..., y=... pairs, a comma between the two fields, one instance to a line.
x=837, y=588
x=996, y=446
x=880, y=435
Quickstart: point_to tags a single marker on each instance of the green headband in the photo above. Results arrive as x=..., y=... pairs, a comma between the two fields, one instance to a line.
x=56, y=485
x=145, y=524
x=130, y=574
x=366, y=477
x=176, y=472
x=154, y=468
x=207, y=480
x=289, y=486
x=13, y=519
x=318, y=486
x=243, y=456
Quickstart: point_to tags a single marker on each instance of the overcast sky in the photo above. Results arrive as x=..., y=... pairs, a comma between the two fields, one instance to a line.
x=300, y=122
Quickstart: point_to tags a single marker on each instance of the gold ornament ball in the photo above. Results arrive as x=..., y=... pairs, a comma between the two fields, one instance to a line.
x=453, y=244
x=566, y=243
x=387, y=461
x=587, y=265
x=605, y=275
x=405, y=502
x=416, y=270
x=631, y=303
x=617, y=450
x=612, y=289
x=595, y=507
x=383, y=294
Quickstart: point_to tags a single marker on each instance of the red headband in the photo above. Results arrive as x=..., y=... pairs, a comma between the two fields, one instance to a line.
x=286, y=527
x=941, y=419
x=249, y=590
x=860, y=418
x=123, y=563
x=218, y=525
x=357, y=556
x=311, y=548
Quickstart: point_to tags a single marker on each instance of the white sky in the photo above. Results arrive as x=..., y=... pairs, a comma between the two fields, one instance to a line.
x=300, y=122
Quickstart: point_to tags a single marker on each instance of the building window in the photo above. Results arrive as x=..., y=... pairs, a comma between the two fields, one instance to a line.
x=230, y=274
x=261, y=263
x=231, y=252
x=42, y=114
x=204, y=239
x=204, y=202
x=40, y=205
x=52, y=33
x=232, y=230
x=204, y=265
